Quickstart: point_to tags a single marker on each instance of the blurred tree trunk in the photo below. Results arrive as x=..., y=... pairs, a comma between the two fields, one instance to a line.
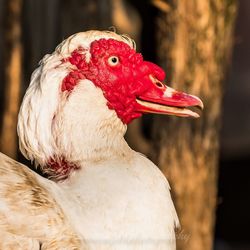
x=194, y=40
x=82, y=15
x=13, y=58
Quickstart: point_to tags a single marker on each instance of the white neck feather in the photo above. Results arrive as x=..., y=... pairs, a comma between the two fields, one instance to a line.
x=85, y=129
x=77, y=126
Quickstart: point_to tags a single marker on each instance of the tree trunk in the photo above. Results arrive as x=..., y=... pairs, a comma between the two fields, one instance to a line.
x=79, y=15
x=13, y=58
x=194, y=41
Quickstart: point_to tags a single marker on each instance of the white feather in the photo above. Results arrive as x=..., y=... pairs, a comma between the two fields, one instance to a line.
x=118, y=199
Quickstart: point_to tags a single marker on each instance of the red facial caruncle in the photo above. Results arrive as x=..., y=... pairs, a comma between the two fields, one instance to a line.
x=131, y=85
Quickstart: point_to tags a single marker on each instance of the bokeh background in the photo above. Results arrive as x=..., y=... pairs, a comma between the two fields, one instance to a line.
x=35, y=27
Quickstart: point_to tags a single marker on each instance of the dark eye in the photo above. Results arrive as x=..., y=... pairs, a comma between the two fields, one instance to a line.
x=113, y=60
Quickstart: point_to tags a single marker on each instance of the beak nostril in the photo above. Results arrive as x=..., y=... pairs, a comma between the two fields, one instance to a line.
x=156, y=82
x=159, y=84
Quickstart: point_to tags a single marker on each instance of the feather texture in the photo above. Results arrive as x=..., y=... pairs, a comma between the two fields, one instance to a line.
x=30, y=216
x=113, y=199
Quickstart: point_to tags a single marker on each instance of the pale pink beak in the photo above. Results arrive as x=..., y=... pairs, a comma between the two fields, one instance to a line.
x=161, y=99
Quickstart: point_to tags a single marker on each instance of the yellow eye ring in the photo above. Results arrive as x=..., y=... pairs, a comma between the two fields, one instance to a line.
x=113, y=60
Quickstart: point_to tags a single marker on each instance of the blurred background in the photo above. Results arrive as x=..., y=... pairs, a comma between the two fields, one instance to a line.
x=204, y=46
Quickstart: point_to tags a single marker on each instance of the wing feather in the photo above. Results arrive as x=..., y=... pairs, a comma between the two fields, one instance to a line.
x=28, y=211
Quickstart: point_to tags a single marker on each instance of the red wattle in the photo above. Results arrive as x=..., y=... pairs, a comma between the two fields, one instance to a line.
x=120, y=83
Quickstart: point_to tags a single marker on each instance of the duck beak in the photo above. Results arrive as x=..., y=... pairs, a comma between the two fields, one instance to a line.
x=161, y=99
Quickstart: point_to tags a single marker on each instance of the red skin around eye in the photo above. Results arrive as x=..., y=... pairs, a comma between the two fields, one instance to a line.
x=120, y=83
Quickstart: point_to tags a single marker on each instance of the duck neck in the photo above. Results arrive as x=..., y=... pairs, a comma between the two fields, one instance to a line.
x=86, y=131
